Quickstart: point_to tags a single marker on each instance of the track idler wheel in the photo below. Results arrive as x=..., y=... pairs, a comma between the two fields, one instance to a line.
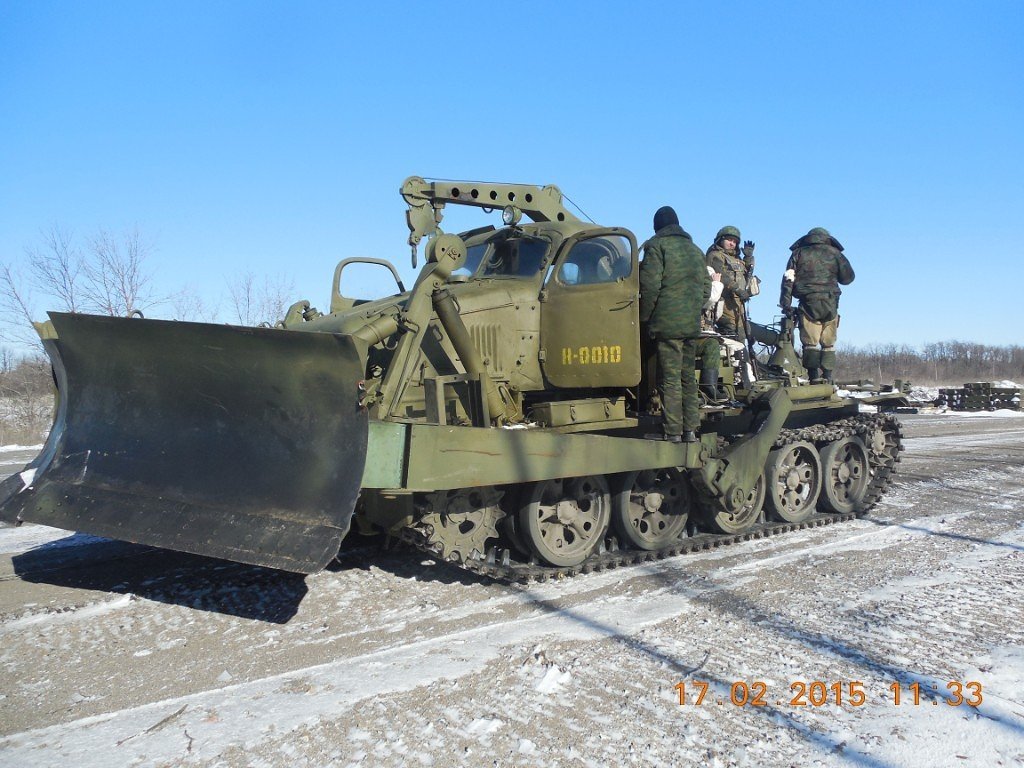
x=845, y=474
x=650, y=508
x=736, y=518
x=883, y=445
x=562, y=521
x=793, y=482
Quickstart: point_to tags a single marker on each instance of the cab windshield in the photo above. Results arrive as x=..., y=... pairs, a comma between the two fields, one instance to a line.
x=505, y=256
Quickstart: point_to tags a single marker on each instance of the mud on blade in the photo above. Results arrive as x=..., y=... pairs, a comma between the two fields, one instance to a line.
x=240, y=443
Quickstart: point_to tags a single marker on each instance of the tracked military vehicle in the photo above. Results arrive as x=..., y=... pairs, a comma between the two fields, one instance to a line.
x=492, y=415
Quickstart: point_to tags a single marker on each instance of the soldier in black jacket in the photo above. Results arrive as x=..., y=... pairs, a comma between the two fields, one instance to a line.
x=816, y=269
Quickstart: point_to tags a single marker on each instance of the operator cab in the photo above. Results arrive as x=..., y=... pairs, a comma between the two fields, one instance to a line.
x=587, y=286
x=511, y=252
x=505, y=253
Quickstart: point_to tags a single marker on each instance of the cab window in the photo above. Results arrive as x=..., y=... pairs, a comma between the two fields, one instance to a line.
x=515, y=257
x=597, y=260
x=474, y=255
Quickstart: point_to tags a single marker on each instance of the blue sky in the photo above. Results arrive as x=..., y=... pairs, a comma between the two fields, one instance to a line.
x=272, y=138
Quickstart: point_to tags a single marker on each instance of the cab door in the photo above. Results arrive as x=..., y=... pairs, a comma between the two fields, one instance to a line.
x=590, y=312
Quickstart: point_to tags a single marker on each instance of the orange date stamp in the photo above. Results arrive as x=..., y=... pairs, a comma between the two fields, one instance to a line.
x=818, y=693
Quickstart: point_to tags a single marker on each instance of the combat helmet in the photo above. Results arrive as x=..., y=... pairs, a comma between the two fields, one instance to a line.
x=728, y=232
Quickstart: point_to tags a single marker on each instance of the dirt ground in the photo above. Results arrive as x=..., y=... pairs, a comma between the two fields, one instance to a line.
x=117, y=654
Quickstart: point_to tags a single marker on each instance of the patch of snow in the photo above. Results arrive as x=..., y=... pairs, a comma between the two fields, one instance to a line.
x=1002, y=413
x=483, y=726
x=948, y=442
x=29, y=536
x=1003, y=671
x=526, y=747
x=923, y=394
x=87, y=613
x=854, y=394
x=553, y=680
x=13, y=448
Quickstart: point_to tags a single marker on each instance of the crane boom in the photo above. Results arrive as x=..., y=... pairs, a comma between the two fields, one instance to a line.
x=427, y=199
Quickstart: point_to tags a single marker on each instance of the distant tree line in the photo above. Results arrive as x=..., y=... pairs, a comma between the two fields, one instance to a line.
x=104, y=273
x=26, y=398
x=940, y=363
x=112, y=274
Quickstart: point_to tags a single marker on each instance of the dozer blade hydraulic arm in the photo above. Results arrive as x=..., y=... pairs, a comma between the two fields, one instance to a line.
x=241, y=443
x=730, y=478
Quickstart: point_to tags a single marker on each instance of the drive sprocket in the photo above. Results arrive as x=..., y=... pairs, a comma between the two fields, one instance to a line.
x=456, y=524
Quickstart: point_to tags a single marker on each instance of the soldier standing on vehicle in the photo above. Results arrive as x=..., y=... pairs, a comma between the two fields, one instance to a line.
x=737, y=280
x=674, y=286
x=709, y=351
x=813, y=275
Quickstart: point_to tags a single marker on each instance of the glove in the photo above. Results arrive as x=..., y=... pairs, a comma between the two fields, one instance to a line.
x=741, y=293
x=748, y=249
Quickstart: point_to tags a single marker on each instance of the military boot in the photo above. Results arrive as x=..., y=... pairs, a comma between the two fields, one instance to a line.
x=667, y=437
x=811, y=359
x=709, y=386
x=689, y=436
x=828, y=364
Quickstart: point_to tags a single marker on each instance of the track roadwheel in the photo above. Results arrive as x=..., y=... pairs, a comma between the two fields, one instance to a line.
x=793, y=480
x=741, y=520
x=651, y=507
x=564, y=520
x=845, y=474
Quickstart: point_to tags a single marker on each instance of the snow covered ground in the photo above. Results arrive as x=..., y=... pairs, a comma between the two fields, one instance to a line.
x=116, y=654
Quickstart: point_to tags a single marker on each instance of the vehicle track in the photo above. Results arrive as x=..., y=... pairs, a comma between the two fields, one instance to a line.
x=499, y=564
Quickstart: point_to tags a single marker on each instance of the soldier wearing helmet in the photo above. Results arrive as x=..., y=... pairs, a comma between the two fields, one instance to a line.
x=724, y=257
x=816, y=269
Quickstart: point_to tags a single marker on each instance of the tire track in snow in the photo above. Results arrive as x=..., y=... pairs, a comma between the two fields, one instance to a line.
x=280, y=703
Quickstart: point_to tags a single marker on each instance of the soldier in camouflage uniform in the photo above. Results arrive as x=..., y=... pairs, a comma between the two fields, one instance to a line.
x=813, y=275
x=674, y=286
x=724, y=257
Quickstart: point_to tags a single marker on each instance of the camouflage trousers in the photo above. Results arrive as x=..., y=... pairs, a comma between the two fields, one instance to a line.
x=731, y=323
x=678, y=385
x=708, y=353
x=813, y=334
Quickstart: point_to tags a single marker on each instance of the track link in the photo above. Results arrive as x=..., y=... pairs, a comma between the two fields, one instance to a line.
x=881, y=433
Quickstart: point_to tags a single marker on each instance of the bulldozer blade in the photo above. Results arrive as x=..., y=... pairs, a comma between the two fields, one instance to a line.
x=246, y=444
